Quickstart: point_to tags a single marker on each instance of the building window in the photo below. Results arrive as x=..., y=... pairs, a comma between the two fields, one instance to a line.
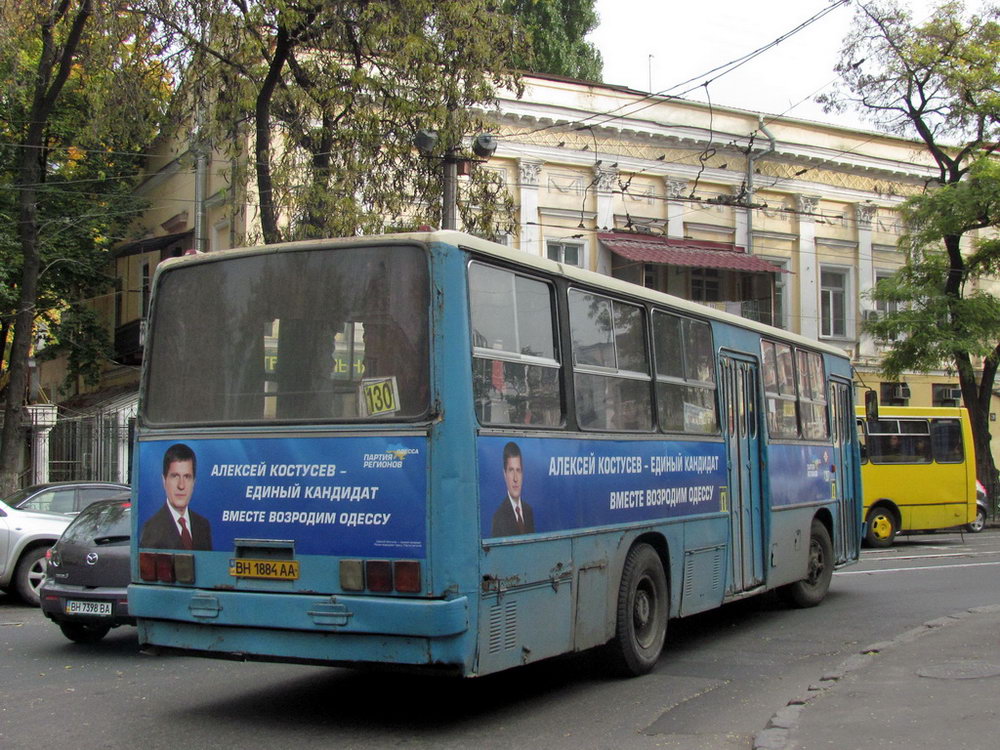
x=570, y=253
x=884, y=306
x=706, y=285
x=833, y=303
x=946, y=394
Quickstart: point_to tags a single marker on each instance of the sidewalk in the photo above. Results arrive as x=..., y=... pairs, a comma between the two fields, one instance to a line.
x=936, y=686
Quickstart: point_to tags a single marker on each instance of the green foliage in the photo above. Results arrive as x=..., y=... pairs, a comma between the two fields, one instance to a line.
x=929, y=327
x=939, y=309
x=328, y=96
x=556, y=31
x=106, y=112
x=937, y=81
x=83, y=337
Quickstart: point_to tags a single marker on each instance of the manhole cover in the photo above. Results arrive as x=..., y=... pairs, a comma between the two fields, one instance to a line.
x=965, y=669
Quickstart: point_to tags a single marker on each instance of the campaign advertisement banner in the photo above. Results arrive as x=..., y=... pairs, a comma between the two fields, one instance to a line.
x=570, y=484
x=801, y=474
x=352, y=496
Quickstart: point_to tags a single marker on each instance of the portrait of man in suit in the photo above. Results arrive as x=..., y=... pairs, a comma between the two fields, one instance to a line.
x=175, y=525
x=513, y=516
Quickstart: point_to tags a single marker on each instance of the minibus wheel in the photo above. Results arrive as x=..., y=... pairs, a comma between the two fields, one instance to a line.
x=641, y=617
x=882, y=527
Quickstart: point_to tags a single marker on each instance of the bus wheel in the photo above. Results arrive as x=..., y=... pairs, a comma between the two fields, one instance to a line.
x=881, y=527
x=641, y=615
x=811, y=590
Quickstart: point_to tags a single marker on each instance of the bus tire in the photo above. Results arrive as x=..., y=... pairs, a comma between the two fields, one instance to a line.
x=882, y=527
x=812, y=589
x=641, y=615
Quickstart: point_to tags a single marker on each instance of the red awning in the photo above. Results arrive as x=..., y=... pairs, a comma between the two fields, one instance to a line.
x=670, y=251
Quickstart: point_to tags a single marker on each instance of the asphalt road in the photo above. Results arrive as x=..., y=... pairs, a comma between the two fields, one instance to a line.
x=721, y=678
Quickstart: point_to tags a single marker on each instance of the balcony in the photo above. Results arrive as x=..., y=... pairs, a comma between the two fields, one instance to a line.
x=129, y=342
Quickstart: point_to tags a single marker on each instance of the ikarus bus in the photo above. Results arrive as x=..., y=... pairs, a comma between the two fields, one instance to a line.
x=430, y=451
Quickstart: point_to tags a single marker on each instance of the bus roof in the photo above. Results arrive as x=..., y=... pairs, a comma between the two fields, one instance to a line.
x=519, y=257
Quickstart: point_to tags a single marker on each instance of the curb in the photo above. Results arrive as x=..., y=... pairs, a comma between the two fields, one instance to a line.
x=778, y=732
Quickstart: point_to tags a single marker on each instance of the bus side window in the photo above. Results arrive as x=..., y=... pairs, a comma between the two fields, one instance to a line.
x=862, y=441
x=946, y=441
x=515, y=370
x=611, y=365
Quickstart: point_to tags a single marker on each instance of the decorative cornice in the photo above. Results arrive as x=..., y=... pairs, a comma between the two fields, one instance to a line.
x=865, y=214
x=607, y=178
x=676, y=188
x=529, y=172
x=807, y=204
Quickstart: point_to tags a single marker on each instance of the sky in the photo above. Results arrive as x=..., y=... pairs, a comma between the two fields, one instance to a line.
x=688, y=39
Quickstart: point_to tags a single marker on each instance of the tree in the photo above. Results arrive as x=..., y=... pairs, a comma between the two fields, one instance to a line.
x=332, y=94
x=69, y=69
x=556, y=32
x=938, y=80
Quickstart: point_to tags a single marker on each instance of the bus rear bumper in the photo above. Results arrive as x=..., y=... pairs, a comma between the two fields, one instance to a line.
x=300, y=627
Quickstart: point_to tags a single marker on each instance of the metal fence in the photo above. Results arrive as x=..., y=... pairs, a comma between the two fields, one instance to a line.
x=93, y=447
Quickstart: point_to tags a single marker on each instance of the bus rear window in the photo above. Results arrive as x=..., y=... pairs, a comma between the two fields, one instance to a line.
x=322, y=335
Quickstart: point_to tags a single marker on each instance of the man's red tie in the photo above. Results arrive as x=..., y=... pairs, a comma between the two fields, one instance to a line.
x=520, y=519
x=186, y=541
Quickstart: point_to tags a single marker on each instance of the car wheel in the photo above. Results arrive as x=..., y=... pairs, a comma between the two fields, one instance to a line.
x=29, y=574
x=83, y=632
x=881, y=527
x=980, y=523
x=812, y=589
x=641, y=615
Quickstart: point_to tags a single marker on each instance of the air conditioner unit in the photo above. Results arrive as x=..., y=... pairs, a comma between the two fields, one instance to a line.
x=869, y=315
x=954, y=394
x=901, y=391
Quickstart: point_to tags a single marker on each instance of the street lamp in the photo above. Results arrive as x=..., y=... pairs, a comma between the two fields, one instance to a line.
x=484, y=146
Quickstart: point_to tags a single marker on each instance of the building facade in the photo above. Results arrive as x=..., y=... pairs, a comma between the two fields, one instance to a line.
x=784, y=221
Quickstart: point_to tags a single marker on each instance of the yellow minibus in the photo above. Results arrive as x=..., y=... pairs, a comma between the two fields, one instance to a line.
x=918, y=471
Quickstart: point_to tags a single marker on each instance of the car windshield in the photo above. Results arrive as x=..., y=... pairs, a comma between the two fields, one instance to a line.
x=105, y=523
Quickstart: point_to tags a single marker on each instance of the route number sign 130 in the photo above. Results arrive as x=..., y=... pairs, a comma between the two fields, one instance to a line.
x=379, y=396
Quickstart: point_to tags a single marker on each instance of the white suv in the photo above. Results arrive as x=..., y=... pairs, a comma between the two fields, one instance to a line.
x=25, y=536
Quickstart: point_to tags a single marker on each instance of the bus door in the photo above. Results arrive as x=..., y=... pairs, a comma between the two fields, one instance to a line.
x=741, y=427
x=848, y=539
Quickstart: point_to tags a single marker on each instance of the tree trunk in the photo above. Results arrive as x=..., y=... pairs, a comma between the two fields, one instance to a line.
x=54, y=66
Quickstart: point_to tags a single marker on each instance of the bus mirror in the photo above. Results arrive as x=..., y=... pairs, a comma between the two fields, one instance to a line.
x=871, y=406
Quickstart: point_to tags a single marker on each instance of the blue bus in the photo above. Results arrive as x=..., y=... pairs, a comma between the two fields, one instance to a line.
x=427, y=450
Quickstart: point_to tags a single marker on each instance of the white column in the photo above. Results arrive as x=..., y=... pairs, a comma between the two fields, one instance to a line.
x=741, y=236
x=40, y=419
x=808, y=271
x=531, y=236
x=864, y=213
x=675, y=208
x=606, y=179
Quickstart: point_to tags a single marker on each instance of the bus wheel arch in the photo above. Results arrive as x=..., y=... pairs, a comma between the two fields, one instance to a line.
x=642, y=608
x=882, y=523
x=811, y=590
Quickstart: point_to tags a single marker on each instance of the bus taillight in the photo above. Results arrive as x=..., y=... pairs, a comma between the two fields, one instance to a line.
x=380, y=575
x=166, y=568
x=406, y=575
